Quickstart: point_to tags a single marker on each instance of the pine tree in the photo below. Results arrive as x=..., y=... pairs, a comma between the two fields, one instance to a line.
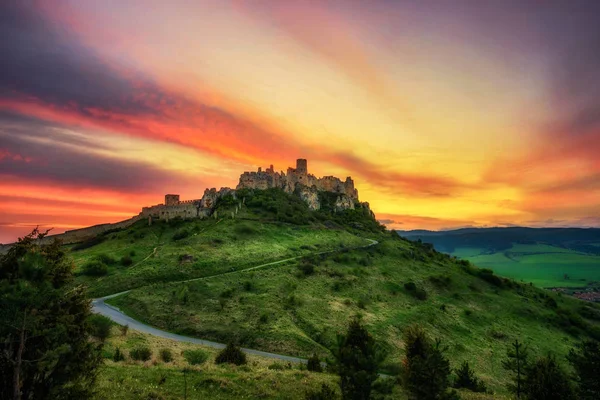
x=465, y=378
x=45, y=351
x=427, y=370
x=585, y=360
x=357, y=361
x=517, y=361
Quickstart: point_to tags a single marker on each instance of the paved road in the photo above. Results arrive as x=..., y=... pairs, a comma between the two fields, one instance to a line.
x=99, y=306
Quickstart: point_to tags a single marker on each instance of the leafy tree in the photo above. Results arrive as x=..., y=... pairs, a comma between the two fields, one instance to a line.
x=427, y=370
x=585, y=360
x=546, y=380
x=231, y=354
x=45, y=351
x=357, y=359
x=518, y=358
x=465, y=378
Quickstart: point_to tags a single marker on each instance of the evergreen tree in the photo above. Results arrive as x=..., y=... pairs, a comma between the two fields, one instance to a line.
x=45, y=351
x=585, y=360
x=546, y=380
x=517, y=361
x=465, y=378
x=357, y=361
x=427, y=370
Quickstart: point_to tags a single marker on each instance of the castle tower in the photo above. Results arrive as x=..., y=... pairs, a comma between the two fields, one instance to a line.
x=171, y=199
x=301, y=166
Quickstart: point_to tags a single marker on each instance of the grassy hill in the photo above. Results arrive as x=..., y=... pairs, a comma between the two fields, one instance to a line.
x=269, y=226
x=328, y=275
x=547, y=257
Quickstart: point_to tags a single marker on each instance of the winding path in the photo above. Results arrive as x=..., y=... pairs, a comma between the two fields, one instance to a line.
x=99, y=306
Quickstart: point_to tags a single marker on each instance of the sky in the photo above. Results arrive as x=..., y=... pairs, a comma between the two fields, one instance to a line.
x=445, y=113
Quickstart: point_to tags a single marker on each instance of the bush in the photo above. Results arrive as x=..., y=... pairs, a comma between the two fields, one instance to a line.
x=166, y=355
x=181, y=234
x=326, y=393
x=106, y=259
x=306, y=268
x=465, y=378
x=231, y=354
x=126, y=261
x=94, y=268
x=410, y=286
x=100, y=326
x=141, y=353
x=314, y=364
x=585, y=359
x=276, y=367
x=195, y=357
x=118, y=356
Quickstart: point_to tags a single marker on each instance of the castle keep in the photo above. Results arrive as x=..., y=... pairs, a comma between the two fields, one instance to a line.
x=296, y=180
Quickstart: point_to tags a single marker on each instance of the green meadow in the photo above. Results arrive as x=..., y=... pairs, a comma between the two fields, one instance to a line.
x=541, y=264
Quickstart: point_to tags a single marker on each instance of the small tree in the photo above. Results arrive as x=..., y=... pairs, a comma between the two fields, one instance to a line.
x=465, y=378
x=585, y=359
x=516, y=363
x=427, y=370
x=357, y=361
x=314, y=364
x=546, y=380
x=231, y=354
x=118, y=356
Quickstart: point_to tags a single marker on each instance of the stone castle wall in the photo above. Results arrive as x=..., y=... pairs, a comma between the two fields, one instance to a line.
x=298, y=179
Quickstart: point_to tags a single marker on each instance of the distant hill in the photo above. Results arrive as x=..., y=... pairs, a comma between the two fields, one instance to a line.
x=548, y=257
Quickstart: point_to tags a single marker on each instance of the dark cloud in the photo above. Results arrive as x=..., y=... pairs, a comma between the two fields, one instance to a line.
x=389, y=221
x=44, y=60
x=23, y=157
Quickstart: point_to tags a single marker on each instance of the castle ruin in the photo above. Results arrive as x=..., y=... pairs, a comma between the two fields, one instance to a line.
x=295, y=181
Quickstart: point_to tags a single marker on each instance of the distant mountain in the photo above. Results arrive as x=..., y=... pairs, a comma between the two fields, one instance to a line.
x=584, y=240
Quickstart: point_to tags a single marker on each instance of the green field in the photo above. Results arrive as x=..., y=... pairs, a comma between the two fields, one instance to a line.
x=541, y=264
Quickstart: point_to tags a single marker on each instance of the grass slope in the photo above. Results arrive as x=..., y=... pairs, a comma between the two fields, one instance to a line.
x=281, y=309
x=180, y=250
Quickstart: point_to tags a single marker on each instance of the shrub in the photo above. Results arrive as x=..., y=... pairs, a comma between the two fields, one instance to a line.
x=195, y=357
x=181, y=234
x=231, y=354
x=465, y=378
x=410, y=286
x=307, y=268
x=314, y=364
x=124, y=329
x=420, y=294
x=166, y=355
x=126, y=261
x=248, y=286
x=263, y=318
x=106, y=259
x=244, y=230
x=100, y=326
x=119, y=355
x=276, y=367
x=326, y=393
x=141, y=353
x=89, y=243
x=94, y=268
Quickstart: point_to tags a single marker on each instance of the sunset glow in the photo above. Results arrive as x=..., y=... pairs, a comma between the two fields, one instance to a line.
x=446, y=114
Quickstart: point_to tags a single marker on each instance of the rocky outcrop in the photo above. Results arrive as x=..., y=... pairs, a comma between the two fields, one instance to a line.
x=310, y=195
x=344, y=202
